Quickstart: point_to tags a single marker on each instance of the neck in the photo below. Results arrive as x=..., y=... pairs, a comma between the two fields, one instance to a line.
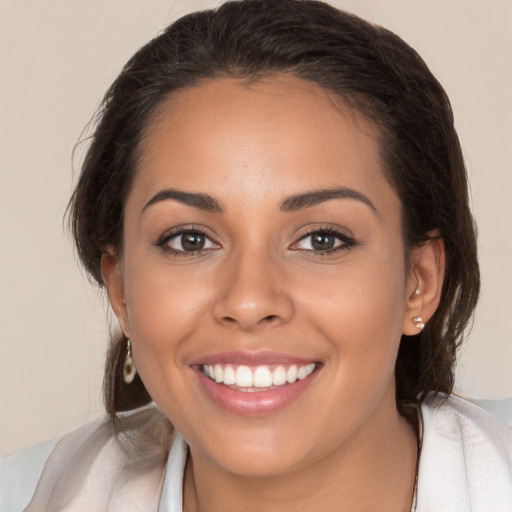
x=375, y=469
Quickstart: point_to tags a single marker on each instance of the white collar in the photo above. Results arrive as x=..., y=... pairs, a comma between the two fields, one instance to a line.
x=171, y=499
x=465, y=463
x=466, y=459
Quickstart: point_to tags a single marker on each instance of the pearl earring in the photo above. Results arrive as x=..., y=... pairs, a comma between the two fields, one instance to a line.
x=418, y=323
x=129, y=370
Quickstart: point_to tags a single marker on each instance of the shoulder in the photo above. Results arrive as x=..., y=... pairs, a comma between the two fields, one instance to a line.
x=466, y=458
x=91, y=467
x=455, y=419
x=21, y=471
x=19, y=474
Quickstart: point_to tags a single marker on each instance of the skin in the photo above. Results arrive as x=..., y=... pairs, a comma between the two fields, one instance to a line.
x=259, y=285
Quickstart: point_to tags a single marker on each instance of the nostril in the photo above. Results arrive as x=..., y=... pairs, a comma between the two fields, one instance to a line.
x=266, y=320
x=251, y=312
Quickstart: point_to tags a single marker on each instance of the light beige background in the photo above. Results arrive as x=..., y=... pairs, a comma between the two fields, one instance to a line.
x=57, y=58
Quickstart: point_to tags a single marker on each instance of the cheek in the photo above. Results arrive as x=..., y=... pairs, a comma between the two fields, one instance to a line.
x=164, y=307
x=359, y=308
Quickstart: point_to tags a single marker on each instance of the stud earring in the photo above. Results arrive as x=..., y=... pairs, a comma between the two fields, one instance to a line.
x=129, y=370
x=418, y=323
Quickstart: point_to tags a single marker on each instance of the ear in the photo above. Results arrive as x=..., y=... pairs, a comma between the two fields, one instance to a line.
x=424, y=282
x=112, y=273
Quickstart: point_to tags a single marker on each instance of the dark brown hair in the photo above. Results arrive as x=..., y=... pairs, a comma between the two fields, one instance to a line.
x=372, y=70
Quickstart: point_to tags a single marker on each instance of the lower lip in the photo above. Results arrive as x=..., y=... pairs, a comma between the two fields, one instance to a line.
x=255, y=403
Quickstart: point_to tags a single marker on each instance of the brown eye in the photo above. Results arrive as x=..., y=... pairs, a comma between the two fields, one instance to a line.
x=322, y=241
x=192, y=241
x=187, y=241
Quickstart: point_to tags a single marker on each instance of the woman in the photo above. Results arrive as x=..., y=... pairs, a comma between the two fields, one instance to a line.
x=276, y=202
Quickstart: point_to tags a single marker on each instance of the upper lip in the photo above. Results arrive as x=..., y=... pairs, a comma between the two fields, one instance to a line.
x=239, y=357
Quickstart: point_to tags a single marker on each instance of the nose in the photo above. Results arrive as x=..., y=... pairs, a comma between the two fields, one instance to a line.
x=254, y=294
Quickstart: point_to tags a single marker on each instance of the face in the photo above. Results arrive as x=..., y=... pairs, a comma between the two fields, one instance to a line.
x=262, y=280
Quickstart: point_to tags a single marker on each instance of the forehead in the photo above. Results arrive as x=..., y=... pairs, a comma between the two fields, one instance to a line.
x=282, y=133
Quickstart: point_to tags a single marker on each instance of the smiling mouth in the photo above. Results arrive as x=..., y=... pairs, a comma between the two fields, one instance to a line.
x=257, y=378
x=255, y=384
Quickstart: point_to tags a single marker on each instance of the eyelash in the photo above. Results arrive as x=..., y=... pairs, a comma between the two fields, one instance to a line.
x=163, y=242
x=347, y=241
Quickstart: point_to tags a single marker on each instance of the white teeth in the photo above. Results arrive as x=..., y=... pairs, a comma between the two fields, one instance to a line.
x=229, y=376
x=243, y=376
x=261, y=377
x=291, y=374
x=304, y=371
x=279, y=376
x=310, y=368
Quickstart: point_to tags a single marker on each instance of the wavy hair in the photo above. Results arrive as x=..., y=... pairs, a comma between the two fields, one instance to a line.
x=369, y=68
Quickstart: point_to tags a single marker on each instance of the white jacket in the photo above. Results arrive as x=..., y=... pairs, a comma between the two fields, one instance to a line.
x=465, y=466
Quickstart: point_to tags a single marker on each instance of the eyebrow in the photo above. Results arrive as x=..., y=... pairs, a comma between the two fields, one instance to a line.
x=293, y=203
x=197, y=200
x=308, y=199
